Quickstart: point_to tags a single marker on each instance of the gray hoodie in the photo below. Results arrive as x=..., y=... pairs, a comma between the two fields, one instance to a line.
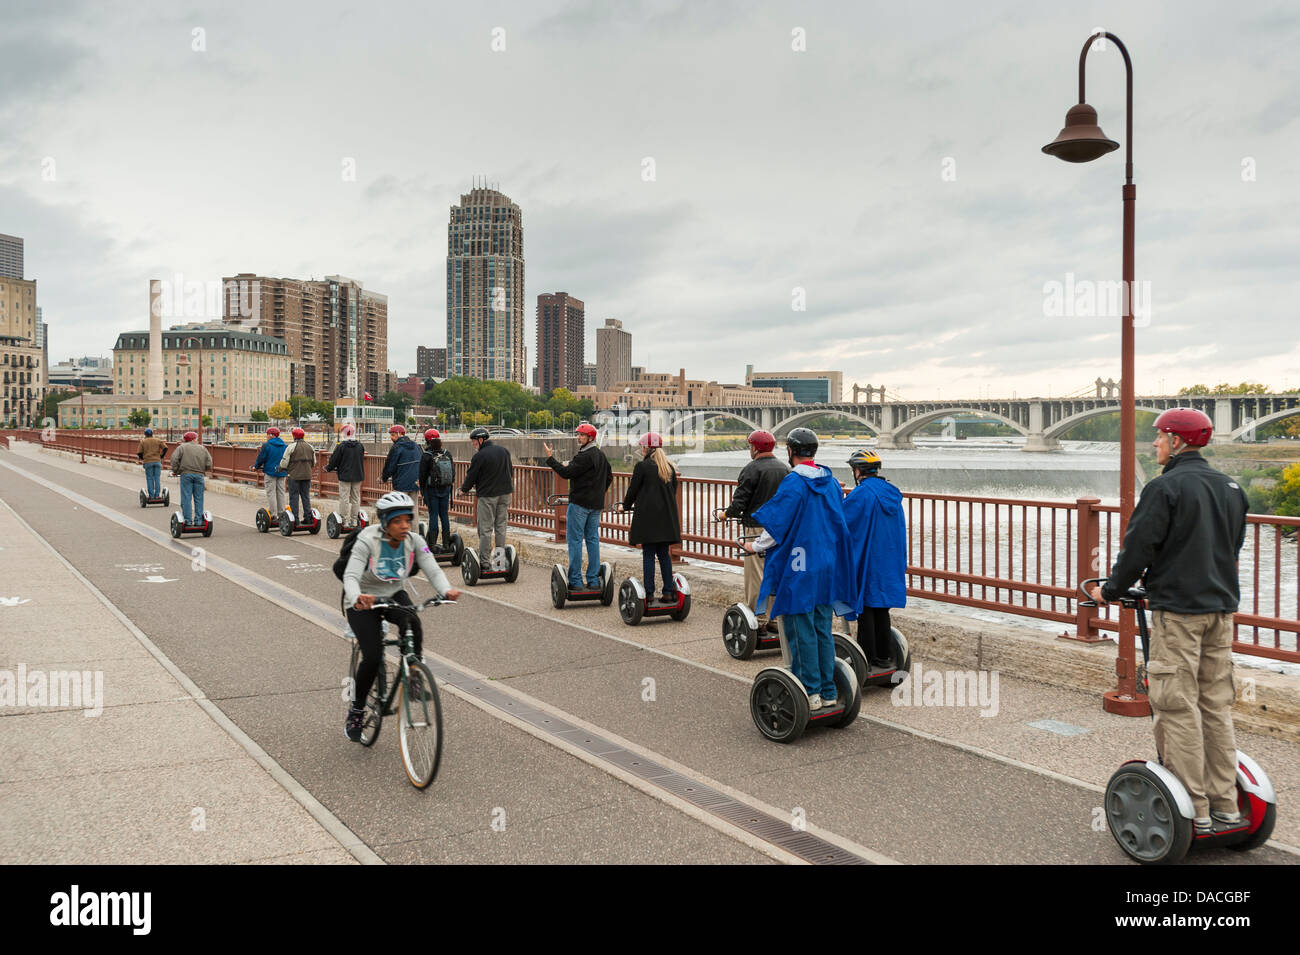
x=359, y=577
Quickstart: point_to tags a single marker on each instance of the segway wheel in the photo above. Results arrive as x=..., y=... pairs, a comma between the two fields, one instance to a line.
x=143, y=501
x=332, y=527
x=512, y=565
x=422, y=529
x=559, y=587
x=457, y=550
x=262, y=520
x=315, y=521
x=469, y=568
x=1260, y=835
x=847, y=687
x=176, y=526
x=779, y=706
x=286, y=524
x=684, y=610
x=846, y=649
x=167, y=497
x=207, y=525
x=606, y=585
x=1144, y=818
x=630, y=606
x=740, y=639
x=902, y=652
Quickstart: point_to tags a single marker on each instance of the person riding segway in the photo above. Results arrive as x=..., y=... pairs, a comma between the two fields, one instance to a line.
x=437, y=481
x=873, y=511
x=589, y=476
x=151, y=451
x=402, y=466
x=490, y=474
x=300, y=462
x=191, y=462
x=652, y=498
x=348, y=461
x=269, y=456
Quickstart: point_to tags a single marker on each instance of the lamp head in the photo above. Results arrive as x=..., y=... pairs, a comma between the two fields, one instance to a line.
x=1081, y=140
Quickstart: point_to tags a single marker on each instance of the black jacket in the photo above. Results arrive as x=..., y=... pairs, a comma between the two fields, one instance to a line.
x=654, y=520
x=589, y=476
x=1184, y=533
x=428, y=467
x=349, y=459
x=758, y=481
x=489, y=471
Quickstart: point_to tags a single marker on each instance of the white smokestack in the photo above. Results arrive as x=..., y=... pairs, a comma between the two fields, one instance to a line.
x=155, y=341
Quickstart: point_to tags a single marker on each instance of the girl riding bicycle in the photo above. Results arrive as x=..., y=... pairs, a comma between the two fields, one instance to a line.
x=383, y=556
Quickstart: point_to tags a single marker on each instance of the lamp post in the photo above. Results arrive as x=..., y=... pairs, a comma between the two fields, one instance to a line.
x=183, y=361
x=1081, y=140
x=81, y=390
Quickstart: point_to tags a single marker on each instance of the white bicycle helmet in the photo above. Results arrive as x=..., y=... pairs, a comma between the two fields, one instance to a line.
x=393, y=504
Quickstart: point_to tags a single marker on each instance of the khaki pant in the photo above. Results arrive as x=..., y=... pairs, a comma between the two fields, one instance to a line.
x=492, y=513
x=1190, y=673
x=754, y=581
x=276, y=496
x=349, y=501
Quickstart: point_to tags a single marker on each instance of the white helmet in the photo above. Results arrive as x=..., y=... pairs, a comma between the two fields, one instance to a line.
x=393, y=504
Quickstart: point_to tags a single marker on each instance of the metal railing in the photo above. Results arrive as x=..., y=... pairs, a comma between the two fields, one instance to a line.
x=999, y=554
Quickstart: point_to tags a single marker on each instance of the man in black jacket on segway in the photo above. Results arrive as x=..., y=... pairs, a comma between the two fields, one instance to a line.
x=758, y=481
x=1183, y=538
x=589, y=476
x=491, y=474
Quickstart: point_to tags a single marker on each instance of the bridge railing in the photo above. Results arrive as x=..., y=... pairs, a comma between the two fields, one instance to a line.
x=1019, y=557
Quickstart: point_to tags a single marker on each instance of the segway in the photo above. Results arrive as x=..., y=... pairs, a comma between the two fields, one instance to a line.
x=265, y=520
x=778, y=700
x=848, y=650
x=1149, y=810
x=452, y=555
x=165, y=498
x=334, y=525
x=740, y=631
x=289, y=526
x=179, y=527
x=633, y=606
x=560, y=590
x=504, y=566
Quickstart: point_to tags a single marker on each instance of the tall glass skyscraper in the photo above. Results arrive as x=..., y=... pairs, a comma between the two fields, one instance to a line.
x=485, y=288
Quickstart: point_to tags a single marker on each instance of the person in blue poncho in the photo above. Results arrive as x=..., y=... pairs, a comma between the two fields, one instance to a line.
x=874, y=513
x=808, y=565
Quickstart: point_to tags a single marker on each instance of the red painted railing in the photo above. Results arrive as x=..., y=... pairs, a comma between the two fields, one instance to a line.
x=999, y=554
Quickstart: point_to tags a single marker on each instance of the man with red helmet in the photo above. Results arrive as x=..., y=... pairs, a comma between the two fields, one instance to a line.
x=1182, y=539
x=589, y=476
x=437, y=479
x=191, y=461
x=348, y=461
x=402, y=466
x=755, y=486
x=300, y=462
x=268, y=462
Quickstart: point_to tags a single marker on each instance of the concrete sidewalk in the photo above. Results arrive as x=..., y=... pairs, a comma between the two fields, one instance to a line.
x=106, y=756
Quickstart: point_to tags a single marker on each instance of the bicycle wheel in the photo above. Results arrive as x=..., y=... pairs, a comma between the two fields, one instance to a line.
x=420, y=725
x=374, y=700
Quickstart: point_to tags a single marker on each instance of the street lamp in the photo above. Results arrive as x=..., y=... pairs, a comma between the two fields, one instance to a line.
x=183, y=361
x=81, y=390
x=1081, y=140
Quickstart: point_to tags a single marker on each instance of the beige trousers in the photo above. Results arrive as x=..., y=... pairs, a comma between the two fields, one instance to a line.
x=349, y=501
x=754, y=581
x=1191, y=693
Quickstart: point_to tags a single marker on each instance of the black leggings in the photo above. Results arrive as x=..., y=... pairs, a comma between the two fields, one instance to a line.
x=873, y=633
x=365, y=626
x=648, y=554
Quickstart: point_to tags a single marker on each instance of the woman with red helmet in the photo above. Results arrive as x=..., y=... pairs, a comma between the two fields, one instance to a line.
x=1182, y=540
x=589, y=476
x=437, y=479
x=755, y=486
x=652, y=498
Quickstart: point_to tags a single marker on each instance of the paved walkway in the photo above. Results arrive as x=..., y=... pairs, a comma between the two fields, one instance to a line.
x=136, y=769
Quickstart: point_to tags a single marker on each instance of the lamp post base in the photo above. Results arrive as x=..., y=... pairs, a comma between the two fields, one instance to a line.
x=1124, y=704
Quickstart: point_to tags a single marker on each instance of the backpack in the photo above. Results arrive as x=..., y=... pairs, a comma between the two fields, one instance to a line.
x=444, y=470
x=345, y=552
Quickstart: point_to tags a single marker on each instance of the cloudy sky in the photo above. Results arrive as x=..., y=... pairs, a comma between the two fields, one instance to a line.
x=891, y=169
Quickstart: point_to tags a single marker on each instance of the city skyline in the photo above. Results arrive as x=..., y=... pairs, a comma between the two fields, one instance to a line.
x=821, y=170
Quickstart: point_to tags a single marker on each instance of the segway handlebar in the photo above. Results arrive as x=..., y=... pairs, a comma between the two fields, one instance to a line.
x=1134, y=597
x=559, y=500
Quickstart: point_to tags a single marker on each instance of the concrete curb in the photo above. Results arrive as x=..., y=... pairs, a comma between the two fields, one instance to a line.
x=1267, y=703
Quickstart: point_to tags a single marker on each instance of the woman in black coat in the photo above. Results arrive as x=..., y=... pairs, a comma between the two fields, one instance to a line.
x=652, y=498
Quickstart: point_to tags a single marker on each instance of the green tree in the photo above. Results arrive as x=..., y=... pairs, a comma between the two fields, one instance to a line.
x=1223, y=388
x=399, y=401
x=206, y=421
x=1285, y=496
x=50, y=407
x=139, y=418
x=258, y=416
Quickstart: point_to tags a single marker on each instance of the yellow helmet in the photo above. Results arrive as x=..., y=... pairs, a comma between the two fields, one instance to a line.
x=865, y=460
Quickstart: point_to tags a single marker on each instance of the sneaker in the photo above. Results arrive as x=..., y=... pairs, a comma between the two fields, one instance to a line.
x=829, y=704
x=669, y=598
x=772, y=627
x=1203, y=825
x=815, y=702
x=1227, y=818
x=882, y=664
x=356, y=721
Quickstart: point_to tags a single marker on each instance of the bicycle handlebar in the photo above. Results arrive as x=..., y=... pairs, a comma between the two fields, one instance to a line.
x=414, y=608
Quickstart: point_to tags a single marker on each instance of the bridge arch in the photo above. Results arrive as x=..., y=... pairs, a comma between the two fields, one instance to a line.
x=707, y=414
x=1264, y=420
x=912, y=425
x=1065, y=424
x=786, y=425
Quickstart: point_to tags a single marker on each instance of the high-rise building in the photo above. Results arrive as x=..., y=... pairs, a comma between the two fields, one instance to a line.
x=11, y=257
x=485, y=288
x=808, y=387
x=336, y=330
x=561, y=329
x=589, y=374
x=430, y=362
x=613, y=355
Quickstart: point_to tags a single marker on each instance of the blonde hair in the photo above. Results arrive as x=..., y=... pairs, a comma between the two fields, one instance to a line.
x=666, y=467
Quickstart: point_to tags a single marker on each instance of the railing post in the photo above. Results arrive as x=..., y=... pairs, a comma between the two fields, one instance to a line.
x=675, y=550
x=1088, y=562
x=561, y=511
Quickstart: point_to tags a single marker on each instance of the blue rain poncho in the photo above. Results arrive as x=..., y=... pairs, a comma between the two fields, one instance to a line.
x=874, y=513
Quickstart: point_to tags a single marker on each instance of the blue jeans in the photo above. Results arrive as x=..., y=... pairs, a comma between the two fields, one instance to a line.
x=812, y=649
x=153, y=479
x=192, y=498
x=582, y=525
x=649, y=552
x=439, y=507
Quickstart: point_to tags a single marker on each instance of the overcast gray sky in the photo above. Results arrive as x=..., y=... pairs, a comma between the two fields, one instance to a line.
x=126, y=154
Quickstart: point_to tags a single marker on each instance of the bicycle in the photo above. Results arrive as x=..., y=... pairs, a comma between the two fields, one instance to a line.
x=418, y=707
